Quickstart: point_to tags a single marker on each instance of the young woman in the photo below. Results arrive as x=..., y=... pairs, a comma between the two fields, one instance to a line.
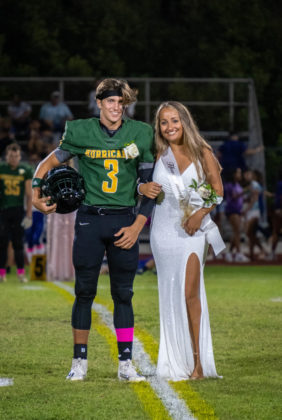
x=185, y=350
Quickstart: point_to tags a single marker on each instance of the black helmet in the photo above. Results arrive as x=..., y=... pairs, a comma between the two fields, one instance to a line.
x=65, y=186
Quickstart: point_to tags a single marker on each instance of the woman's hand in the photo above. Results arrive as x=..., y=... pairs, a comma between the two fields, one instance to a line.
x=150, y=189
x=194, y=222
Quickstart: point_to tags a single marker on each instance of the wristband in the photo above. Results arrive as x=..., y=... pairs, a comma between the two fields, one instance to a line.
x=138, y=186
x=36, y=182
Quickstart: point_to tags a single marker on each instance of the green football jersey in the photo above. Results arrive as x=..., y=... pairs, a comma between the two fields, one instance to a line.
x=109, y=165
x=12, y=184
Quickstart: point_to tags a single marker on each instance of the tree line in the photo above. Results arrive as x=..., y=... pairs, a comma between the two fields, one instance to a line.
x=172, y=38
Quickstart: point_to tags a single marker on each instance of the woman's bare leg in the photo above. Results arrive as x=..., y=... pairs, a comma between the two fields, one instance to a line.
x=193, y=304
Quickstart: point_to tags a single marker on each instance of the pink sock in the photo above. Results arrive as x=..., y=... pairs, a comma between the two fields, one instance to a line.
x=20, y=271
x=2, y=271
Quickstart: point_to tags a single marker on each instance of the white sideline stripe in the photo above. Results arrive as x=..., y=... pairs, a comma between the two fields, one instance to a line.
x=277, y=299
x=6, y=381
x=33, y=288
x=175, y=406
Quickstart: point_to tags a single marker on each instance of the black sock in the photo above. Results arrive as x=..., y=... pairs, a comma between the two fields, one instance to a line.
x=80, y=350
x=124, y=350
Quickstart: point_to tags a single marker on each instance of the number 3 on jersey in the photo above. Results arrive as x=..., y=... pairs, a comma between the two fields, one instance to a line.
x=112, y=166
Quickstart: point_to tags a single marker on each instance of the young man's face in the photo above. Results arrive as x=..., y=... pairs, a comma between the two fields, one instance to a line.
x=111, y=110
x=13, y=158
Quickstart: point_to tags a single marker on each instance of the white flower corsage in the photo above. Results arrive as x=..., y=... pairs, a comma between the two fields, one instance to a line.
x=21, y=171
x=131, y=151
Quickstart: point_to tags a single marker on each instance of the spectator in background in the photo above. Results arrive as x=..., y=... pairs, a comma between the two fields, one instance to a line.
x=33, y=235
x=232, y=153
x=36, y=147
x=19, y=112
x=15, y=186
x=277, y=217
x=6, y=137
x=54, y=114
x=233, y=193
x=252, y=212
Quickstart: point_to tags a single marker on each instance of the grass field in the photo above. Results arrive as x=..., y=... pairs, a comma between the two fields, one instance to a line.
x=245, y=305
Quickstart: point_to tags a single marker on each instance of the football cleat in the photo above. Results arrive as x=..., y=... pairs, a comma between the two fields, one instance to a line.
x=22, y=278
x=127, y=372
x=78, y=370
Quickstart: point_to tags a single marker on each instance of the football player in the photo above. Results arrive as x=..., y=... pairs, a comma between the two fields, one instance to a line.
x=114, y=155
x=15, y=186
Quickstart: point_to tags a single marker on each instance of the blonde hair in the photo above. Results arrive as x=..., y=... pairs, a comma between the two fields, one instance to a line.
x=129, y=95
x=193, y=142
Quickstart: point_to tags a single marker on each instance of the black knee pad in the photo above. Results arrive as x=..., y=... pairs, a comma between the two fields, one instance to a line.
x=122, y=295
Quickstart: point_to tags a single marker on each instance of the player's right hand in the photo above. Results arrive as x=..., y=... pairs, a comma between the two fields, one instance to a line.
x=43, y=204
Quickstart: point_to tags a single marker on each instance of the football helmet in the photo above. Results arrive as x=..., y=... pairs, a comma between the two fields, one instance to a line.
x=65, y=186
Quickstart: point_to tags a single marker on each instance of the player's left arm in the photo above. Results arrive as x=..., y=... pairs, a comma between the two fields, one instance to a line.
x=129, y=235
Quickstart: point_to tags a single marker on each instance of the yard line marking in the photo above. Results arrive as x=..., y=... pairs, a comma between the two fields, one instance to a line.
x=174, y=405
x=29, y=287
x=198, y=406
x=6, y=381
x=277, y=299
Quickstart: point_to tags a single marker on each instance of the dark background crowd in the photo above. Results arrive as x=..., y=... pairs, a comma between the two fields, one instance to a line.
x=168, y=39
x=250, y=217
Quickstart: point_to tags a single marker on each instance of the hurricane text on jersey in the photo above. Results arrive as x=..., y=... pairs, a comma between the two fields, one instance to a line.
x=108, y=171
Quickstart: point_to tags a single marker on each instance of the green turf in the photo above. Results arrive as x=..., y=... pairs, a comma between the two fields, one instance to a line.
x=36, y=350
x=247, y=339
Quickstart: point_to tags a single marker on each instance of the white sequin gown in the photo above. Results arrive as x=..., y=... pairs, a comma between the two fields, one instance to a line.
x=171, y=247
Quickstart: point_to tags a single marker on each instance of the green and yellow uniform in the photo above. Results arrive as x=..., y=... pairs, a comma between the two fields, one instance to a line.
x=110, y=177
x=12, y=193
x=12, y=184
x=110, y=163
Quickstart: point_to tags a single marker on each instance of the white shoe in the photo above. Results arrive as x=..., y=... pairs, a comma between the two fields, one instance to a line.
x=22, y=278
x=78, y=370
x=241, y=258
x=228, y=257
x=127, y=372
